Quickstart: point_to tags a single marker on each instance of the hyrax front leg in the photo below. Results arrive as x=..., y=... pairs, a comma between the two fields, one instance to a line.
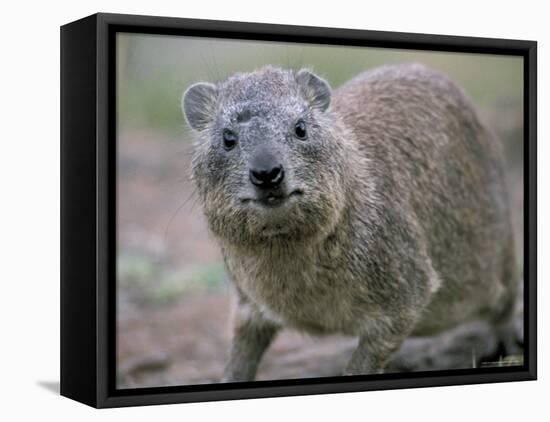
x=377, y=342
x=251, y=337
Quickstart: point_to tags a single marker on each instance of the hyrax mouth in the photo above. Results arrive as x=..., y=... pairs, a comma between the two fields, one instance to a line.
x=272, y=199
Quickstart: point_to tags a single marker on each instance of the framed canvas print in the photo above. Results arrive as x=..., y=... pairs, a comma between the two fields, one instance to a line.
x=253, y=210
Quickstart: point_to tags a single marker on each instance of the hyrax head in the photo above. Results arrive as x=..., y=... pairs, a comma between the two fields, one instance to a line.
x=269, y=163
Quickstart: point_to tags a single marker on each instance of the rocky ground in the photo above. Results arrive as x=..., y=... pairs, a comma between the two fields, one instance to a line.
x=188, y=342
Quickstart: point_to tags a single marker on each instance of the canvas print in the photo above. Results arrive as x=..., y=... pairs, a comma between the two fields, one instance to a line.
x=292, y=210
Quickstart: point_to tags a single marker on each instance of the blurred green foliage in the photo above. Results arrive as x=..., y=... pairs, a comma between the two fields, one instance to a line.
x=149, y=282
x=154, y=70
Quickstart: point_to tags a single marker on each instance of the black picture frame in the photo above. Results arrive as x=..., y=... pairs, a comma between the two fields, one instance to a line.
x=88, y=197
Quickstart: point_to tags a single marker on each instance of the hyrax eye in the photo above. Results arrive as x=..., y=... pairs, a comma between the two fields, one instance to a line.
x=229, y=139
x=300, y=129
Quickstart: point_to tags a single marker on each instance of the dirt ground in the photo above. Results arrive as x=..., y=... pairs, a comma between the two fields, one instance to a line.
x=188, y=343
x=173, y=303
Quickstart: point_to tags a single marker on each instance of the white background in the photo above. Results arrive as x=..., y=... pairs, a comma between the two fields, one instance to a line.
x=29, y=177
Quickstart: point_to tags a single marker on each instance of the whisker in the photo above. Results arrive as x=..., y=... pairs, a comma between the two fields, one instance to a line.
x=191, y=195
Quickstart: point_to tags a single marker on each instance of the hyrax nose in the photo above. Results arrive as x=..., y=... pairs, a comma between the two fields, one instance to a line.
x=267, y=176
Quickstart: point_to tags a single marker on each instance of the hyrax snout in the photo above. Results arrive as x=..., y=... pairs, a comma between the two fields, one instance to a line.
x=377, y=210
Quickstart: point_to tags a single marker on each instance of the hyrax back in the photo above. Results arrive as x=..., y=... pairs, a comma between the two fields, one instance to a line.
x=377, y=210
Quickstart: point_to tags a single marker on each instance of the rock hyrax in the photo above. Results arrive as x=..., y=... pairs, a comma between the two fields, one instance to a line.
x=377, y=210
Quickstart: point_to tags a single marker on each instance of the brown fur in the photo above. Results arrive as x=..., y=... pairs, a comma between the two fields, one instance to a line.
x=400, y=223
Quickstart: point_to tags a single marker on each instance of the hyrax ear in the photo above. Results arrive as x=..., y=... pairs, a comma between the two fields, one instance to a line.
x=199, y=104
x=314, y=89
